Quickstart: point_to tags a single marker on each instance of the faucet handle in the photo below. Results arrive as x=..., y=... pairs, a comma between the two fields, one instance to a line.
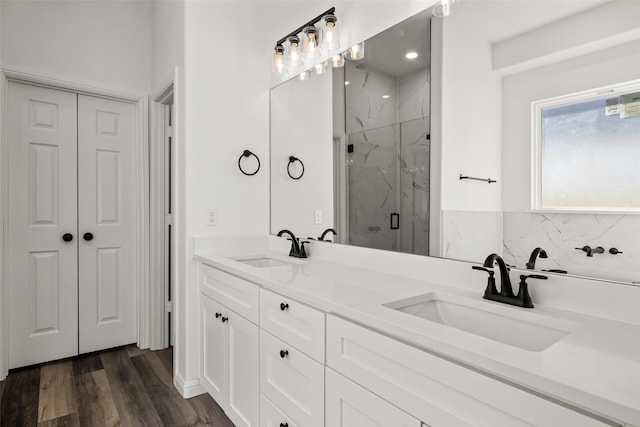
x=303, y=252
x=491, y=281
x=523, y=292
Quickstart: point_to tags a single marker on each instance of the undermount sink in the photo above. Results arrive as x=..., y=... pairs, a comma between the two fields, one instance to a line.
x=263, y=262
x=524, y=329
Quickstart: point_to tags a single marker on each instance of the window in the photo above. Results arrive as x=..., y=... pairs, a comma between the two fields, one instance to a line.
x=587, y=151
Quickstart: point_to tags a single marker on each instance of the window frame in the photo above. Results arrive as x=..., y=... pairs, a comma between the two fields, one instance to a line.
x=603, y=92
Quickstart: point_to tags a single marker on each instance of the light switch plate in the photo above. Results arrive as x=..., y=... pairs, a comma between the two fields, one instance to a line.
x=317, y=217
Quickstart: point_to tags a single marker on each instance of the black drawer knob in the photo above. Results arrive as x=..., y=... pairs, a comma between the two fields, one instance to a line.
x=284, y=353
x=284, y=425
x=224, y=319
x=67, y=237
x=87, y=236
x=218, y=315
x=284, y=306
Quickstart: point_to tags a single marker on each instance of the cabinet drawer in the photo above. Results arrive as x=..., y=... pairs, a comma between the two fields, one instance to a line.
x=272, y=416
x=231, y=291
x=349, y=405
x=438, y=392
x=292, y=381
x=295, y=323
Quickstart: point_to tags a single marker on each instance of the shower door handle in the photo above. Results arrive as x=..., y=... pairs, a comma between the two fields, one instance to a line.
x=395, y=221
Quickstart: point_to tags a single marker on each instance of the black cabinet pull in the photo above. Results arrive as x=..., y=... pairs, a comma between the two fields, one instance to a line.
x=284, y=425
x=224, y=319
x=67, y=237
x=218, y=315
x=284, y=306
x=87, y=236
x=284, y=353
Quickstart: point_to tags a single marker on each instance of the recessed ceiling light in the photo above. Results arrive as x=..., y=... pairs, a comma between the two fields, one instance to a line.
x=346, y=83
x=411, y=55
x=386, y=96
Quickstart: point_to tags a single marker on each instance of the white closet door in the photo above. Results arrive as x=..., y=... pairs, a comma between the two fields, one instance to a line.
x=42, y=273
x=107, y=263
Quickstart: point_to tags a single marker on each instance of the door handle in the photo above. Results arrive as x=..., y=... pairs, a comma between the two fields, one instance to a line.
x=67, y=237
x=87, y=236
x=395, y=221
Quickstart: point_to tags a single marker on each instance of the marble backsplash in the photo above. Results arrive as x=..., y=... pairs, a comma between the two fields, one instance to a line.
x=472, y=235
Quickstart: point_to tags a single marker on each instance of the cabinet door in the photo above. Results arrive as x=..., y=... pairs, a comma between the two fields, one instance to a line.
x=349, y=405
x=212, y=365
x=293, y=381
x=242, y=344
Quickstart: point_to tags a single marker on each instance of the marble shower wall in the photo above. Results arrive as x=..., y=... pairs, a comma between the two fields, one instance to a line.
x=560, y=233
x=388, y=168
x=471, y=235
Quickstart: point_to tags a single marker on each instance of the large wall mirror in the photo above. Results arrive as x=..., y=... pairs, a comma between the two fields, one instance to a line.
x=380, y=144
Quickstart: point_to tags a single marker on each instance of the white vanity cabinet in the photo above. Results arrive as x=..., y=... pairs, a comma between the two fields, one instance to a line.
x=438, y=392
x=229, y=363
x=291, y=355
x=349, y=405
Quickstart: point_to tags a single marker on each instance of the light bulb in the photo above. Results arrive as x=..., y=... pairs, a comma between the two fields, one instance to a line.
x=310, y=48
x=444, y=8
x=320, y=68
x=305, y=75
x=278, y=60
x=330, y=38
x=294, y=58
x=355, y=52
x=337, y=61
x=411, y=55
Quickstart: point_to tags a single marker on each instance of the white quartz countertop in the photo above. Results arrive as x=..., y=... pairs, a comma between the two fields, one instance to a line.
x=596, y=367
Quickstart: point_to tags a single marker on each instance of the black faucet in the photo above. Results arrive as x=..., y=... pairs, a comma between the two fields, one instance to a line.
x=522, y=299
x=325, y=232
x=537, y=252
x=590, y=251
x=297, y=248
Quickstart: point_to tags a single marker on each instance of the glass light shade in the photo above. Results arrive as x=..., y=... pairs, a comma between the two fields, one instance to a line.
x=337, y=61
x=320, y=68
x=444, y=8
x=305, y=75
x=330, y=36
x=355, y=52
x=294, y=59
x=310, y=48
x=277, y=66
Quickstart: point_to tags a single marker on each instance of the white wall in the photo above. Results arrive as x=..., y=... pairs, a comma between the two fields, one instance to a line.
x=105, y=44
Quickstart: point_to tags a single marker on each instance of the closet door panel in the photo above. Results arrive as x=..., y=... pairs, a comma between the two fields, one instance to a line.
x=108, y=267
x=41, y=267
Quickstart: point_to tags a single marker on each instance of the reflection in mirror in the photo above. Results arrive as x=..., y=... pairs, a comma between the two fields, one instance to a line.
x=385, y=141
x=489, y=63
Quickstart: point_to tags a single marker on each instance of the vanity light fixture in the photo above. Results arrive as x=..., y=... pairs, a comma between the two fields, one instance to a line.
x=444, y=8
x=411, y=55
x=310, y=47
x=386, y=96
x=346, y=83
x=356, y=52
x=330, y=39
x=337, y=61
x=305, y=41
x=277, y=65
x=293, y=58
x=305, y=75
x=320, y=68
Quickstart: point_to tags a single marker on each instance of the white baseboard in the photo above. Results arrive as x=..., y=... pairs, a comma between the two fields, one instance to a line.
x=188, y=389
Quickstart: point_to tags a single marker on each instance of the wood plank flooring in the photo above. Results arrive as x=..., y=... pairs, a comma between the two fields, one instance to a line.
x=120, y=387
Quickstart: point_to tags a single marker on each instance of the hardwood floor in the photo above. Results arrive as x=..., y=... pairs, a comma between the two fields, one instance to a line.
x=121, y=387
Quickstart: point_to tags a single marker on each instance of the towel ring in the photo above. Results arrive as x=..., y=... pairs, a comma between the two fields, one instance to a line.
x=248, y=153
x=292, y=160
